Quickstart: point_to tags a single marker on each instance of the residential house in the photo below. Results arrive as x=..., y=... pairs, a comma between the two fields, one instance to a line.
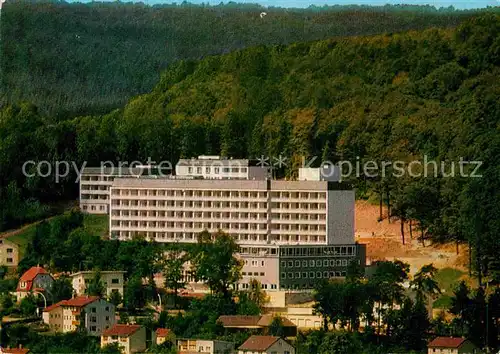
x=185, y=346
x=259, y=323
x=66, y=315
x=130, y=338
x=111, y=280
x=9, y=253
x=19, y=350
x=451, y=345
x=34, y=280
x=162, y=335
x=266, y=345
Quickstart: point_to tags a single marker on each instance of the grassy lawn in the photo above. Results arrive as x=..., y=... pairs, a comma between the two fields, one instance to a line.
x=23, y=238
x=448, y=279
x=97, y=225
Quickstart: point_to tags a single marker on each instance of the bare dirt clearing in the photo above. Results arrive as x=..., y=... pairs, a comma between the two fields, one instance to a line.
x=383, y=240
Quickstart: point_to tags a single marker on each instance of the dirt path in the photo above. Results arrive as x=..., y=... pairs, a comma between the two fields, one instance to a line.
x=10, y=233
x=383, y=240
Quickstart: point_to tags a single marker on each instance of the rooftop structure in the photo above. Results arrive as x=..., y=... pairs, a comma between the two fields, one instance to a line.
x=215, y=167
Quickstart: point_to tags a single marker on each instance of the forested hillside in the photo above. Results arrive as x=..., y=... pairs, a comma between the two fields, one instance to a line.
x=76, y=59
x=385, y=97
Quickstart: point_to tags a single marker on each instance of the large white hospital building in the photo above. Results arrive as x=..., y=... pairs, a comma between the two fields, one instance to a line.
x=239, y=198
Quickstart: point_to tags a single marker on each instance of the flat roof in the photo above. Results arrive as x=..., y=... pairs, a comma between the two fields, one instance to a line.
x=114, y=171
x=229, y=184
x=190, y=183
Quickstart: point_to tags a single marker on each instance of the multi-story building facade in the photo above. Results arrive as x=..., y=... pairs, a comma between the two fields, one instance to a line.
x=95, y=183
x=130, y=338
x=301, y=267
x=66, y=315
x=204, y=346
x=254, y=212
x=34, y=280
x=215, y=167
x=9, y=253
x=112, y=280
x=260, y=263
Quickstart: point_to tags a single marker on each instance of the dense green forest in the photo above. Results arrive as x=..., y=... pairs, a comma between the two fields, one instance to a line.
x=77, y=59
x=384, y=97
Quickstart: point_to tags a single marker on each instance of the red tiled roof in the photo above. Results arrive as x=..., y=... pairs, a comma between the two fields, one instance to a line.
x=258, y=343
x=54, y=306
x=252, y=321
x=266, y=320
x=14, y=350
x=162, y=332
x=121, y=330
x=29, y=276
x=446, y=342
x=80, y=301
x=239, y=321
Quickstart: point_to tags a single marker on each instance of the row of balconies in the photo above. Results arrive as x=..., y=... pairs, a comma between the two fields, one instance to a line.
x=188, y=194
x=180, y=229
x=214, y=219
x=94, y=196
x=275, y=229
x=188, y=204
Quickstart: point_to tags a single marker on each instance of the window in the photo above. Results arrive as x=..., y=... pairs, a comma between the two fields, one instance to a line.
x=297, y=264
x=311, y=263
x=304, y=263
x=9, y=250
x=93, y=328
x=290, y=275
x=304, y=275
x=216, y=170
x=325, y=263
x=107, y=318
x=93, y=310
x=290, y=264
x=283, y=275
x=190, y=170
x=297, y=275
x=10, y=260
x=115, y=281
x=198, y=170
x=318, y=263
x=318, y=274
x=261, y=274
x=311, y=275
x=207, y=170
x=107, y=309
